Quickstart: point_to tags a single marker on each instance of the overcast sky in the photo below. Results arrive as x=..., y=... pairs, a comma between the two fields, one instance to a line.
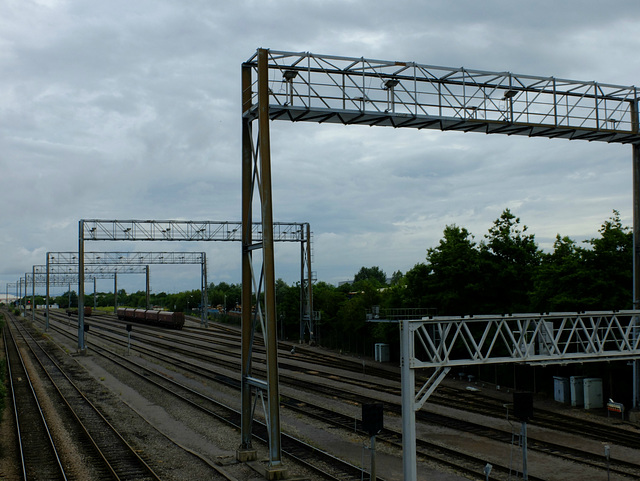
x=131, y=110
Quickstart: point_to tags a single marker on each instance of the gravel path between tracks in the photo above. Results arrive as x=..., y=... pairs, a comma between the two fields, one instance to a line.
x=219, y=443
x=148, y=419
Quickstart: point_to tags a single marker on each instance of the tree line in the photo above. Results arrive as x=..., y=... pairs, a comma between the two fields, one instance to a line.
x=504, y=272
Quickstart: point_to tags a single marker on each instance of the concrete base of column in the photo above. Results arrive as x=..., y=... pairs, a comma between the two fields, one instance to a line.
x=246, y=455
x=277, y=472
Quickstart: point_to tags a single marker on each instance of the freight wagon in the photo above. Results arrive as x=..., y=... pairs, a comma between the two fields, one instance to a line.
x=171, y=320
x=74, y=312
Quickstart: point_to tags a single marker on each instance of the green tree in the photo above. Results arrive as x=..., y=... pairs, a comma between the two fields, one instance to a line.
x=63, y=300
x=417, y=286
x=327, y=299
x=560, y=279
x=373, y=274
x=288, y=309
x=610, y=264
x=454, y=280
x=509, y=259
x=396, y=278
x=187, y=301
x=351, y=330
x=225, y=295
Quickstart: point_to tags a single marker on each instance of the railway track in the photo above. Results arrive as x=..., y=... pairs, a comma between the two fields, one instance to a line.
x=427, y=450
x=317, y=460
x=489, y=406
x=39, y=458
x=458, y=398
x=313, y=458
x=119, y=458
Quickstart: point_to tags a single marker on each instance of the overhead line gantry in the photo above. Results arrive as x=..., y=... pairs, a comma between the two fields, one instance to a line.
x=195, y=231
x=307, y=87
x=119, y=260
x=67, y=274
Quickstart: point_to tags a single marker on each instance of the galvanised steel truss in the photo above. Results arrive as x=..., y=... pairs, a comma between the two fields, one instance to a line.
x=66, y=277
x=57, y=273
x=301, y=86
x=138, y=258
x=532, y=338
x=307, y=319
x=219, y=231
x=128, y=258
x=179, y=230
x=66, y=273
x=556, y=338
x=15, y=287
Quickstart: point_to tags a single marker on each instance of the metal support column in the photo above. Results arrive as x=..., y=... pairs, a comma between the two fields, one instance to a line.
x=525, y=464
x=306, y=286
x=81, y=345
x=309, y=291
x=148, y=294
x=204, y=302
x=46, y=311
x=409, y=457
x=636, y=265
x=303, y=321
x=115, y=293
x=95, y=298
x=33, y=293
x=266, y=309
x=635, y=127
x=270, y=335
x=26, y=283
x=246, y=451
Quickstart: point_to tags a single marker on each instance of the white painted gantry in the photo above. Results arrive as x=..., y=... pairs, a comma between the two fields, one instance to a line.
x=441, y=343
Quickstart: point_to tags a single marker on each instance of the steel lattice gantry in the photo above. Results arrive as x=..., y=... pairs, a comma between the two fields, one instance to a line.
x=178, y=230
x=15, y=287
x=555, y=338
x=124, y=259
x=121, y=262
x=302, y=86
x=63, y=275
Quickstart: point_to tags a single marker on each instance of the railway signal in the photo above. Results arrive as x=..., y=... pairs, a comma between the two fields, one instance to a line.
x=372, y=423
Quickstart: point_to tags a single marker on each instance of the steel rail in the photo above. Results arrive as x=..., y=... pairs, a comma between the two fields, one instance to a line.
x=299, y=450
x=29, y=400
x=390, y=436
x=101, y=432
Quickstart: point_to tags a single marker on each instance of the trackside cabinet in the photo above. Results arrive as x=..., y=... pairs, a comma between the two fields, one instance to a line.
x=593, y=393
x=577, y=390
x=381, y=352
x=561, y=392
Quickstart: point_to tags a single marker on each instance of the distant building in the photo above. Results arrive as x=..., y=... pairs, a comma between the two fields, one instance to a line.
x=341, y=283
